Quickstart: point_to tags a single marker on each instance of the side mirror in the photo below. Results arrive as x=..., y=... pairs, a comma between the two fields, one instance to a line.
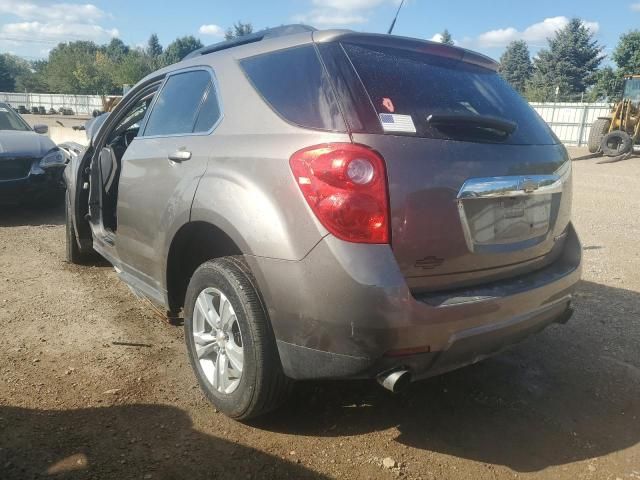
x=41, y=128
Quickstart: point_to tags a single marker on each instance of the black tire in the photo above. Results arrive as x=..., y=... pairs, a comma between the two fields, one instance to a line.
x=598, y=130
x=73, y=252
x=616, y=143
x=262, y=386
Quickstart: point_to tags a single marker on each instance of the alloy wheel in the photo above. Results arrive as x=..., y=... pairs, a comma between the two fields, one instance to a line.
x=218, y=341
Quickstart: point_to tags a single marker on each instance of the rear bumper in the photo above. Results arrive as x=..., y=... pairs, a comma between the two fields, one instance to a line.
x=345, y=311
x=38, y=183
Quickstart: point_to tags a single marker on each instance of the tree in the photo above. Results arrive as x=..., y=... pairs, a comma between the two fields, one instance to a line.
x=33, y=78
x=13, y=67
x=133, y=67
x=608, y=86
x=239, y=30
x=79, y=67
x=570, y=64
x=116, y=50
x=627, y=53
x=154, y=49
x=7, y=81
x=180, y=48
x=446, y=37
x=515, y=65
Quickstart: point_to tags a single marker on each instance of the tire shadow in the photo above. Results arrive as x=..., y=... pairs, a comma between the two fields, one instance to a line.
x=118, y=442
x=568, y=394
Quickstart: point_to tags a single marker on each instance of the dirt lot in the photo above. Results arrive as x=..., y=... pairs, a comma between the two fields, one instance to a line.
x=94, y=385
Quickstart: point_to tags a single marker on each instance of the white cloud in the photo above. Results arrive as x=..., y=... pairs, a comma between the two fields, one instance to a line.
x=635, y=7
x=37, y=25
x=327, y=13
x=211, y=29
x=56, y=32
x=498, y=38
x=535, y=33
x=438, y=38
x=62, y=12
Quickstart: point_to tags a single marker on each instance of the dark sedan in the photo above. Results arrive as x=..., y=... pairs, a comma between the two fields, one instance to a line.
x=31, y=164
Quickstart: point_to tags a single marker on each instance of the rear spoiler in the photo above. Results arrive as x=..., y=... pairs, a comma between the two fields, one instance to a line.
x=265, y=34
x=406, y=43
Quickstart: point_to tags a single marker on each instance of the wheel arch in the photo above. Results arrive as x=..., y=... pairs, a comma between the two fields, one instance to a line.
x=192, y=245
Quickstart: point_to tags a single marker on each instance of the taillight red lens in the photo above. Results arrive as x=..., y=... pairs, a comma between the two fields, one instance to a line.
x=346, y=187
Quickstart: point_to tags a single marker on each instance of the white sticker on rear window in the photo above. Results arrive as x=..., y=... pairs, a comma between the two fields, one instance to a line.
x=2, y=109
x=392, y=122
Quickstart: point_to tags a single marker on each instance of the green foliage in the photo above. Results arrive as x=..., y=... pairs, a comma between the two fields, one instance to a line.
x=627, y=53
x=447, y=39
x=608, y=86
x=11, y=70
x=7, y=81
x=180, y=48
x=132, y=68
x=515, y=65
x=154, y=49
x=78, y=67
x=32, y=78
x=85, y=68
x=239, y=30
x=116, y=50
x=570, y=63
x=82, y=67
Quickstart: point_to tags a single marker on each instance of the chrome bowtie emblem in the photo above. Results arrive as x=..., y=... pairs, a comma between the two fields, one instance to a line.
x=528, y=185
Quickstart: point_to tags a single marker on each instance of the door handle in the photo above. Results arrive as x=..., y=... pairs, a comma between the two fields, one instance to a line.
x=180, y=156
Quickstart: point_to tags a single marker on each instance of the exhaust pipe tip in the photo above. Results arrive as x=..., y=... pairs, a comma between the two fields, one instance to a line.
x=395, y=381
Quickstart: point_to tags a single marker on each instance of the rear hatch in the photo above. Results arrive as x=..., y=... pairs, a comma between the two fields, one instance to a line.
x=479, y=187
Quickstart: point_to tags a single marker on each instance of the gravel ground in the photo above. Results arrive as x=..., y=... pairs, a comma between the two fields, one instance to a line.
x=94, y=385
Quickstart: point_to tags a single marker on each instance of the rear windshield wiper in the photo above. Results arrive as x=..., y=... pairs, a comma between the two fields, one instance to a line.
x=464, y=120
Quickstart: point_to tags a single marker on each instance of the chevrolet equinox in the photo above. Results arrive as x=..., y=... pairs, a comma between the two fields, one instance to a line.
x=329, y=204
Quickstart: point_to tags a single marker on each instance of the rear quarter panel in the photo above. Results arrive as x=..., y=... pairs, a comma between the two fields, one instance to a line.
x=248, y=189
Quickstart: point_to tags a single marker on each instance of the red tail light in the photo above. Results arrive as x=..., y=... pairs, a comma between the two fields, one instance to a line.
x=346, y=187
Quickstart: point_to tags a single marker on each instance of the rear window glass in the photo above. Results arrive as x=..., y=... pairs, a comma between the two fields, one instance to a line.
x=406, y=87
x=295, y=85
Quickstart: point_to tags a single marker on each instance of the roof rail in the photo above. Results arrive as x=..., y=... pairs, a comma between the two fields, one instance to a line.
x=251, y=38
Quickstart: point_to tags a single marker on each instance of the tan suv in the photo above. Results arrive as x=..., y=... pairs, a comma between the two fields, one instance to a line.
x=330, y=204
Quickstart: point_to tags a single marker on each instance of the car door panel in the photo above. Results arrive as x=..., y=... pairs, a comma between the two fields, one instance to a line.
x=161, y=169
x=155, y=194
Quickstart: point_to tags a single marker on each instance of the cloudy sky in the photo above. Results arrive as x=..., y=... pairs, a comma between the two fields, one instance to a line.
x=30, y=28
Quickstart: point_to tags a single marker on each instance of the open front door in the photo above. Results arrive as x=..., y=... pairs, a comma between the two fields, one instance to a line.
x=120, y=129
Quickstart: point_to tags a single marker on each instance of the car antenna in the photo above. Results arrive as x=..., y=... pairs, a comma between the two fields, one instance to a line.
x=393, y=24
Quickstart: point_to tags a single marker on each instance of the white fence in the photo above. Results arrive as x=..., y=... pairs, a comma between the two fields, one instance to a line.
x=572, y=122
x=80, y=104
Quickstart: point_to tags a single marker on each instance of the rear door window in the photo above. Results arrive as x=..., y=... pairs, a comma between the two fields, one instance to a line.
x=178, y=104
x=295, y=85
x=407, y=87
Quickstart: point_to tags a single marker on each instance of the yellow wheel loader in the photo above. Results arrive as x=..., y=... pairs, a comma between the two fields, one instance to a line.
x=615, y=135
